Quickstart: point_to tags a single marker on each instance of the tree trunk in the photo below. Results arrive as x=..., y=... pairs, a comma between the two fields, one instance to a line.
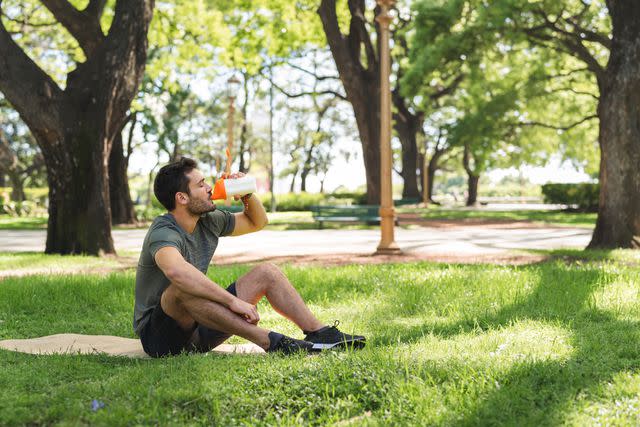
x=618, y=223
x=17, y=187
x=361, y=85
x=75, y=127
x=473, y=177
x=79, y=210
x=433, y=167
x=244, y=131
x=292, y=187
x=122, y=211
x=3, y=182
x=306, y=169
x=407, y=126
x=472, y=196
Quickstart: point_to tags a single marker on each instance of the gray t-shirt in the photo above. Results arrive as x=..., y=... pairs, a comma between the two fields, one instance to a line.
x=197, y=249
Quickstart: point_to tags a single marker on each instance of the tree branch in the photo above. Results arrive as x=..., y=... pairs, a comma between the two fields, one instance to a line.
x=125, y=48
x=358, y=35
x=446, y=90
x=31, y=92
x=312, y=93
x=577, y=92
x=82, y=25
x=95, y=8
x=311, y=73
x=561, y=128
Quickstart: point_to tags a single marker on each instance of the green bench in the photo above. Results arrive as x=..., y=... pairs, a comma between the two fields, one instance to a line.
x=407, y=201
x=368, y=214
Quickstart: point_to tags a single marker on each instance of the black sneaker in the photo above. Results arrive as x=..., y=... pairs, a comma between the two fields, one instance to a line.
x=287, y=345
x=330, y=337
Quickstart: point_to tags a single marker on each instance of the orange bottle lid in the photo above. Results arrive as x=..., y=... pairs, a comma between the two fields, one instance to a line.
x=219, y=191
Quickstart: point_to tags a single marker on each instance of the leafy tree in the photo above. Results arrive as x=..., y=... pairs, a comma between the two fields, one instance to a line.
x=599, y=35
x=75, y=125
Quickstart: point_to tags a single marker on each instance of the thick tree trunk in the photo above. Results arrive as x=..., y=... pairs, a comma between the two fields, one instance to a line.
x=79, y=210
x=3, y=182
x=407, y=126
x=618, y=223
x=75, y=127
x=361, y=85
x=122, y=211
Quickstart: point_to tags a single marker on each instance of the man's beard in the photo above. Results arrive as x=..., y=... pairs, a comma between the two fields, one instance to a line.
x=199, y=207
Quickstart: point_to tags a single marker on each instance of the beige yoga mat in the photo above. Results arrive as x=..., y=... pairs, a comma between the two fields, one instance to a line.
x=101, y=344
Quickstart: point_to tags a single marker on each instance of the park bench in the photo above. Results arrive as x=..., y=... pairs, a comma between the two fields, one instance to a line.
x=407, y=201
x=368, y=214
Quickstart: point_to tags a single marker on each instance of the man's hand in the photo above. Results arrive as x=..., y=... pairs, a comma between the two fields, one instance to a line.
x=246, y=310
x=233, y=176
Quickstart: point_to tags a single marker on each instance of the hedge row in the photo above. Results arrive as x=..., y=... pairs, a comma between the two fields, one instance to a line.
x=583, y=196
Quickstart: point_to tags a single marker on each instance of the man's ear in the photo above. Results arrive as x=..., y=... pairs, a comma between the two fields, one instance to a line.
x=181, y=198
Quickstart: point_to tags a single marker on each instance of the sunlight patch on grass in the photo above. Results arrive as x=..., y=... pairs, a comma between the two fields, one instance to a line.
x=525, y=341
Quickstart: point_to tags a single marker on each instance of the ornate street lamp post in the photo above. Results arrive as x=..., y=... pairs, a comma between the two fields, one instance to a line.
x=233, y=87
x=387, y=212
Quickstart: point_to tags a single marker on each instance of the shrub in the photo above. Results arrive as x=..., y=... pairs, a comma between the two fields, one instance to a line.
x=583, y=196
x=144, y=213
x=348, y=198
x=293, y=201
x=35, y=203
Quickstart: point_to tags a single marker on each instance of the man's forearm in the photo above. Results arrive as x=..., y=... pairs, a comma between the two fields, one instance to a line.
x=254, y=210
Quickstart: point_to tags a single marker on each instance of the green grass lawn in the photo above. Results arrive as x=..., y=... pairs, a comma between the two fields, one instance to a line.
x=29, y=261
x=22, y=223
x=549, y=217
x=550, y=343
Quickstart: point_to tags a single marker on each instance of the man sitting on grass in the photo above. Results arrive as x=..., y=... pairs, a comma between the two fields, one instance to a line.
x=178, y=308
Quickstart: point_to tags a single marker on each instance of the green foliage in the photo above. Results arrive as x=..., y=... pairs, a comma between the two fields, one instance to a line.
x=293, y=201
x=349, y=198
x=257, y=30
x=583, y=195
x=524, y=93
x=34, y=205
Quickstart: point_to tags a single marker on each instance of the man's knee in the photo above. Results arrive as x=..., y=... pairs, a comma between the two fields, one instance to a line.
x=174, y=299
x=270, y=272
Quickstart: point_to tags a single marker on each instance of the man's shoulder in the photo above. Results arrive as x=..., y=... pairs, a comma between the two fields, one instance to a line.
x=164, y=224
x=217, y=222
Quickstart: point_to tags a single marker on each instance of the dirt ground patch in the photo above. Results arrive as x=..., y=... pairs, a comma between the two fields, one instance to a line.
x=344, y=259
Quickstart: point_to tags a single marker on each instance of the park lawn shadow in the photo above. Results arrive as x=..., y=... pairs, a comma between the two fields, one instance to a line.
x=536, y=392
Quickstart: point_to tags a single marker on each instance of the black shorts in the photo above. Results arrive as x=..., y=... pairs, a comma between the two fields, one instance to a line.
x=162, y=335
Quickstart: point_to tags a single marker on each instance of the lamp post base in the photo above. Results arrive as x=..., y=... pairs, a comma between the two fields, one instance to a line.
x=391, y=249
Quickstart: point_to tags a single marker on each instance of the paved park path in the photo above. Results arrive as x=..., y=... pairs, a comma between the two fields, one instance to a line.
x=422, y=242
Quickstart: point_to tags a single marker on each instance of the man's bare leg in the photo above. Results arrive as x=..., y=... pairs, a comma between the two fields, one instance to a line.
x=267, y=280
x=187, y=309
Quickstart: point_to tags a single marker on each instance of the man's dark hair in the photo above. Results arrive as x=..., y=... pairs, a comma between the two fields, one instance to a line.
x=171, y=179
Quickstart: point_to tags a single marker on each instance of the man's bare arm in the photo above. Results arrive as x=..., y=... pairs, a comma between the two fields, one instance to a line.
x=191, y=281
x=254, y=218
